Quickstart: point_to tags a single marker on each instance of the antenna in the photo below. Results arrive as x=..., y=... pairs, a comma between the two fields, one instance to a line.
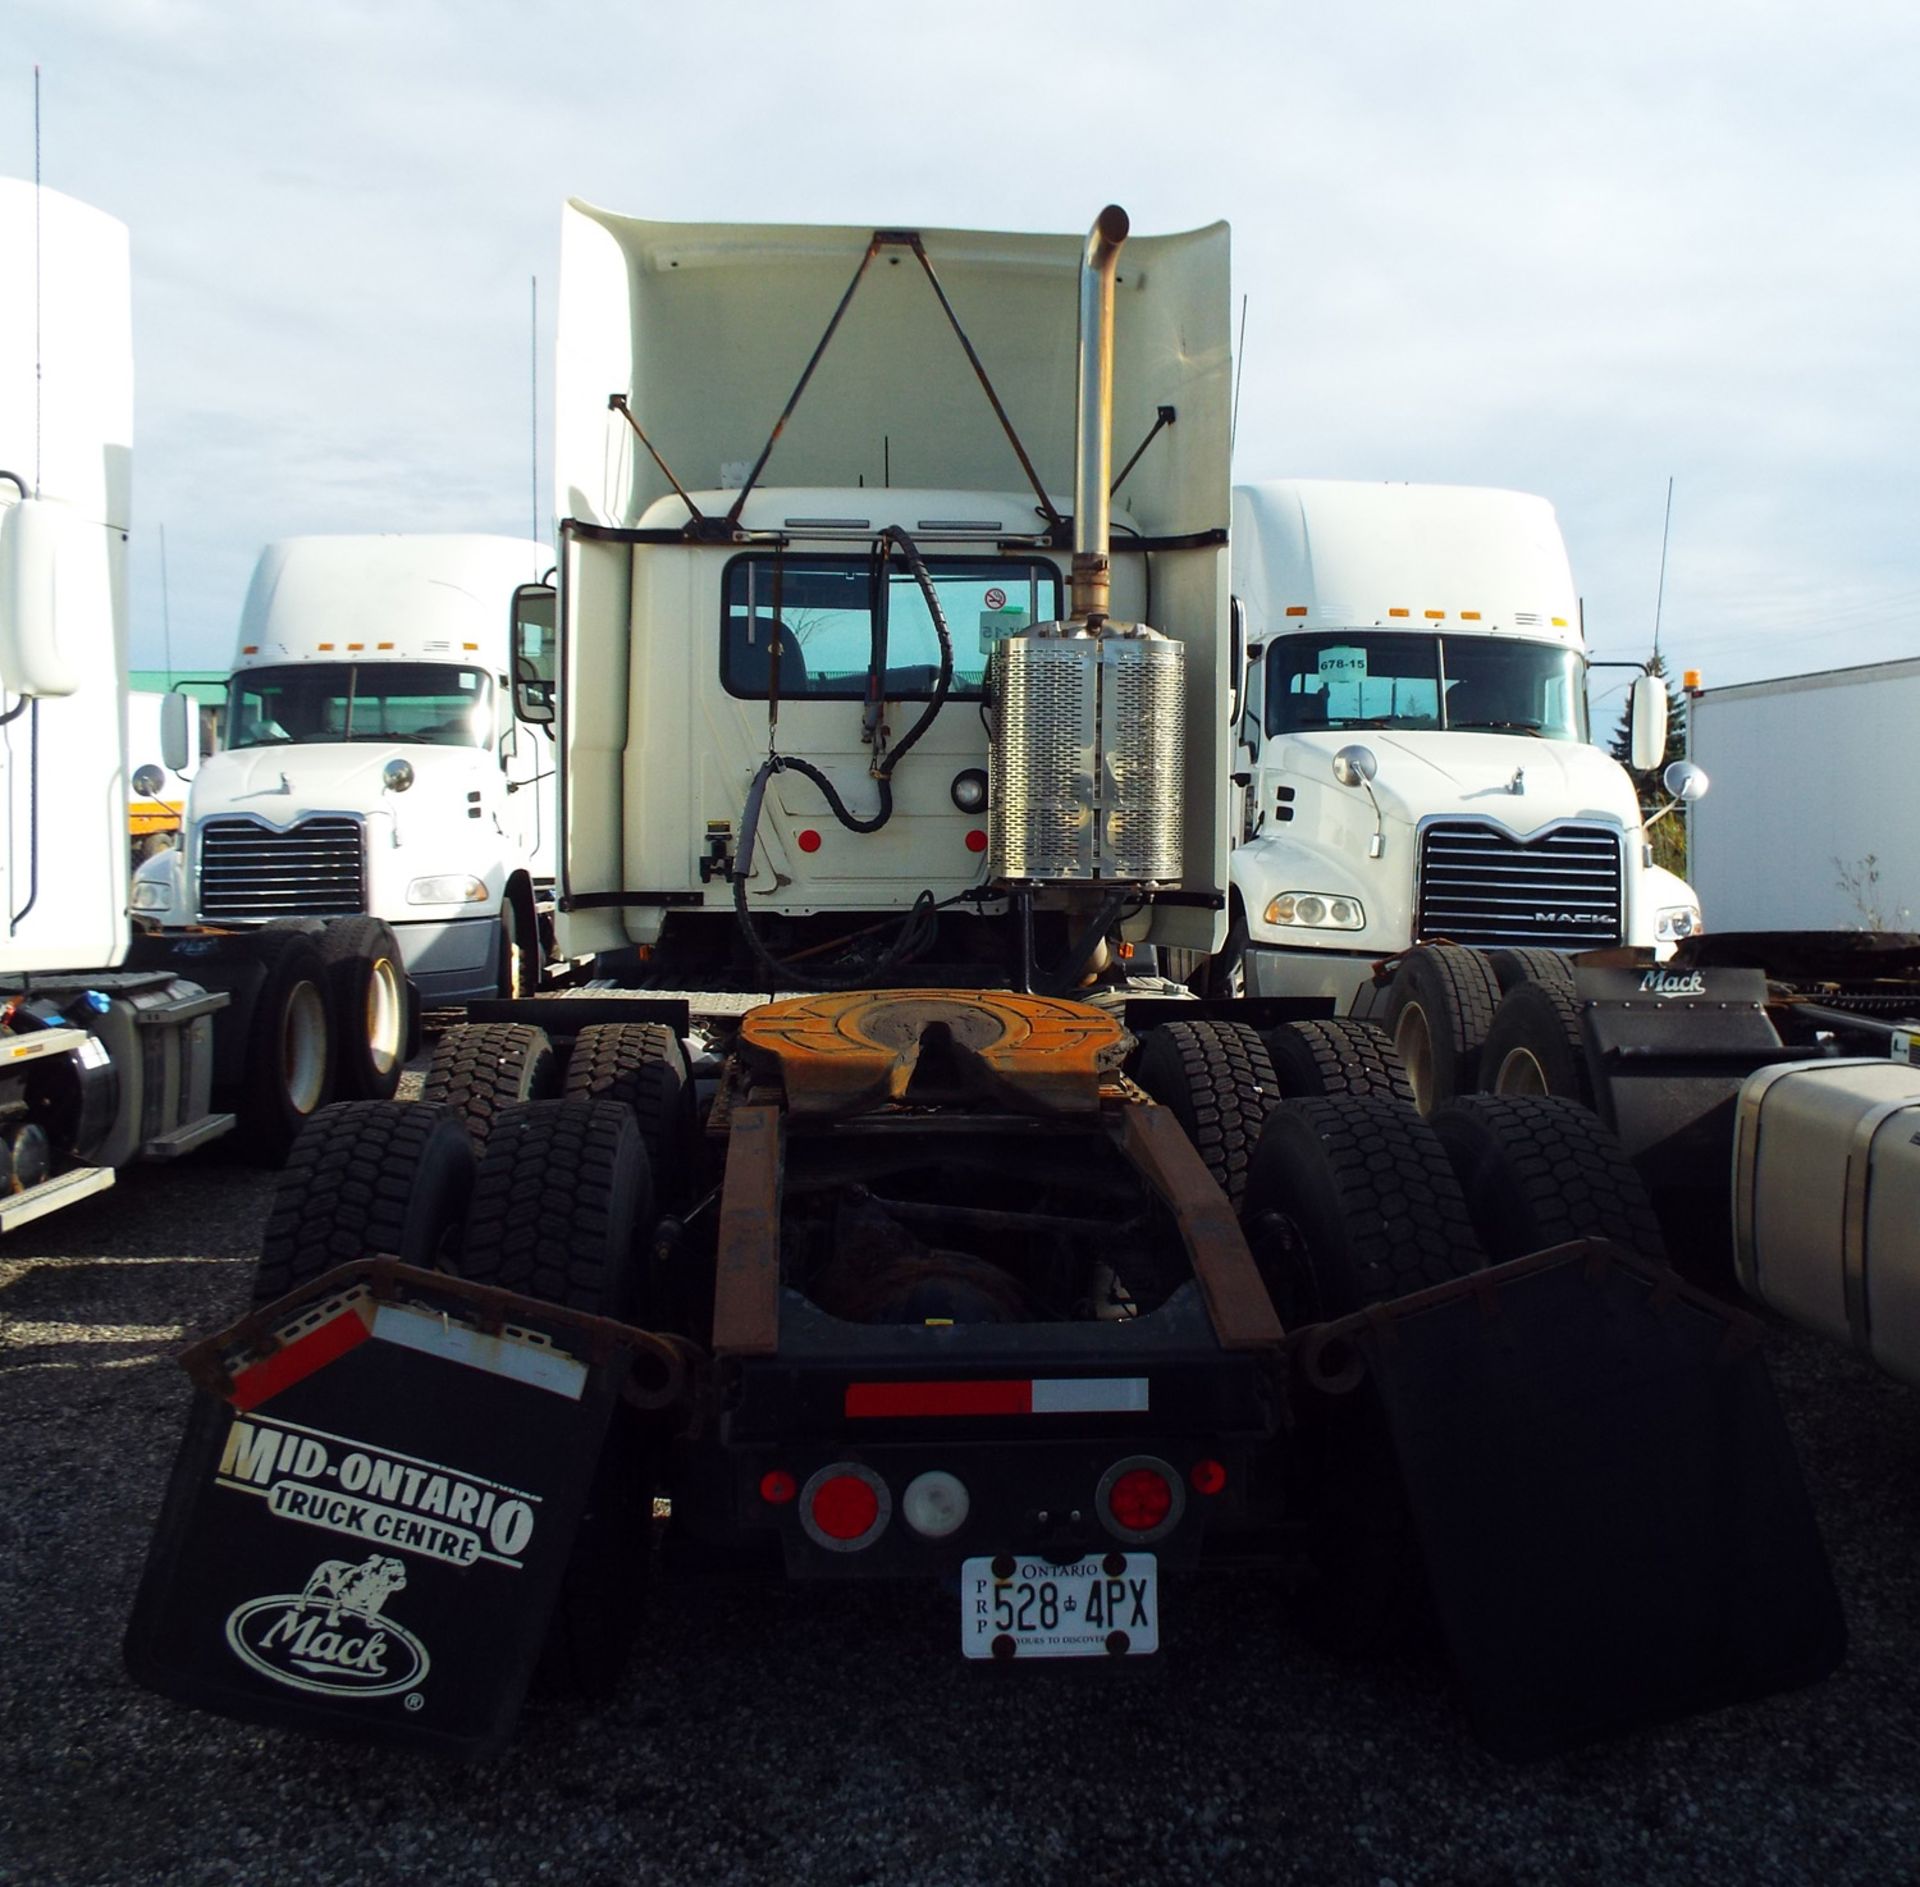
x=1239, y=373
x=1660, y=595
x=533, y=397
x=36, y=281
x=166, y=611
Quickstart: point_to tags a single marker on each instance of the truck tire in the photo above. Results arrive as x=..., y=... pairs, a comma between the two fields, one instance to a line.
x=1336, y=1057
x=642, y=1066
x=1513, y=967
x=287, y=1062
x=561, y=1199
x=1353, y=1201
x=1536, y=1046
x=1217, y=1081
x=1538, y=1170
x=366, y=1178
x=561, y=1204
x=481, y=1067
x=1439, y=1009
x=367, y=989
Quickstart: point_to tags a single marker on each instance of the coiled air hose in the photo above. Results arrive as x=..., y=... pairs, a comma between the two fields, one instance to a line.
x=918, y=928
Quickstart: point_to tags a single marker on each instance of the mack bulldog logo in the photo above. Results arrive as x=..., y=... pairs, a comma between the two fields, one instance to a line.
x=332, y=1636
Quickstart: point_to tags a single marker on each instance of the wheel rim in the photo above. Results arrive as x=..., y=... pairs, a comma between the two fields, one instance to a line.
x=303, y=1049
x=1414, y=1041
x=1521, y=1073
x=383, y=1017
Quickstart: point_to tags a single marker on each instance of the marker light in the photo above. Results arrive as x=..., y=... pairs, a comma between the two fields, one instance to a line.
x=935, y=1504
x=1208, y=1477
x=777, y=1487
x=845, y=1507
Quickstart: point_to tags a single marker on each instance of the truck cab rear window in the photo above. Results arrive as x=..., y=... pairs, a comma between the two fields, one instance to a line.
x=837, y=617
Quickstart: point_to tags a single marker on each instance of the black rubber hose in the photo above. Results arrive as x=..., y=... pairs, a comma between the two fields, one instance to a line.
x=919, y=927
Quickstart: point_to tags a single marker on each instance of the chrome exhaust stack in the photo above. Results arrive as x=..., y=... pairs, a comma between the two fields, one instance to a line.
x=1085, y=763
x=1093, y=445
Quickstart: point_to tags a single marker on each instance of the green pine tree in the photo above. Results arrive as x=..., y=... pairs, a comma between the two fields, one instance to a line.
x=1670, y=835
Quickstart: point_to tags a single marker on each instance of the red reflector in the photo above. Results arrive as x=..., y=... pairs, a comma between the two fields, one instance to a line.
x=939, y=1398
x=808, y=841
x=1208, y=1477
x=306, y=1353
x=778, y=1487
x=845, y=1507
x=976, y=840
x=1140, y=1499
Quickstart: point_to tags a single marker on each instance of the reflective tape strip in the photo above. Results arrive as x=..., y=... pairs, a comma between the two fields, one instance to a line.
x=314, y=1350
x=1052, y=1395
x=433, y=1335
x=1088, y=1395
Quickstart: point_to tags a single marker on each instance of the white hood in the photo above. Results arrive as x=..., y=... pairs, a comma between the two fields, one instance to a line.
x=280, y=784
x=1473, y=776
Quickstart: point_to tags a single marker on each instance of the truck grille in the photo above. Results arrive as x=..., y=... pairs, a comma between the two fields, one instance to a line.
x=1480, y=885
x=250, y=872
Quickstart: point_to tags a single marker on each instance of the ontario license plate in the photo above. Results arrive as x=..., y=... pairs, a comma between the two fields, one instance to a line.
x=1018, y=1607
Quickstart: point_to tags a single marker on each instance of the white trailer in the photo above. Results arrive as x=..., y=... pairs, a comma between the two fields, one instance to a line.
x=111, y=1053
x=372, y=762
x=1779, y=755
x=1416, y=745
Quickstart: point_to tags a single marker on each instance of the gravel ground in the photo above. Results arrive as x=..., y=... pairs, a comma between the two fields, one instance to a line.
x=837, y=1736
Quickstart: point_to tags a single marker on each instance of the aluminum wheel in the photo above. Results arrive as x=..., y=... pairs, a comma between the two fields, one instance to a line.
x=303, y=1049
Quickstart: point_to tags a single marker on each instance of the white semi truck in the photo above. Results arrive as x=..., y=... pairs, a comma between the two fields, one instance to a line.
x=108, y=1053
x=982, y=1262
x=372, y=763
x=1778, y=754
x=1415, y=743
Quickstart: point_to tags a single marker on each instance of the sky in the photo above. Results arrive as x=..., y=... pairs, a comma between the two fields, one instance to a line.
x=1572, y=251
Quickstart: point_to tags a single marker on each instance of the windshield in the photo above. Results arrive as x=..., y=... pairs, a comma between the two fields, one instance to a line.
x=438, y=704
x=826, y=609
x=1488, y=684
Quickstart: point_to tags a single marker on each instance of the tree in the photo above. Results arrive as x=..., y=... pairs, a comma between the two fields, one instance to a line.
x=1669, y=837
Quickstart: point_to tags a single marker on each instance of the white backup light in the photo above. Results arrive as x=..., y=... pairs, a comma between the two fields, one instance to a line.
x=935, y=1504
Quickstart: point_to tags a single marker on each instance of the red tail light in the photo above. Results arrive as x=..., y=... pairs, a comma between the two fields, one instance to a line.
x=845, y=1507
x=1140, y=1499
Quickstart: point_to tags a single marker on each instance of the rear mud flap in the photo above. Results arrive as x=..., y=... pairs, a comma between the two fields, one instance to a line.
x=368, y=1519
x=1604, y=1493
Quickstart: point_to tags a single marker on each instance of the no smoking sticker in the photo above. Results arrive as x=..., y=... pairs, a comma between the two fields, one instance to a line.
x=995, y=599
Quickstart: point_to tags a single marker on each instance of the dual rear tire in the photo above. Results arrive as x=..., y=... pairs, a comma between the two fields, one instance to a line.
x=557, y=1205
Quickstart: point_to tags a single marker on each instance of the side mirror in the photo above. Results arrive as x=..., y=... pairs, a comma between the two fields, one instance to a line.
x=1355, y=766
x=1237, y=663
x=173, y=733
x=1684, y=780
x=32, y=661
x=533, y=653
x=1648, y=719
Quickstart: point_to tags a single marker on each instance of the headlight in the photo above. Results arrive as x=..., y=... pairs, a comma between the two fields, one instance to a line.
x=448, y=890
x=1317, y=910
x=150, y=894
x=1677, y=921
